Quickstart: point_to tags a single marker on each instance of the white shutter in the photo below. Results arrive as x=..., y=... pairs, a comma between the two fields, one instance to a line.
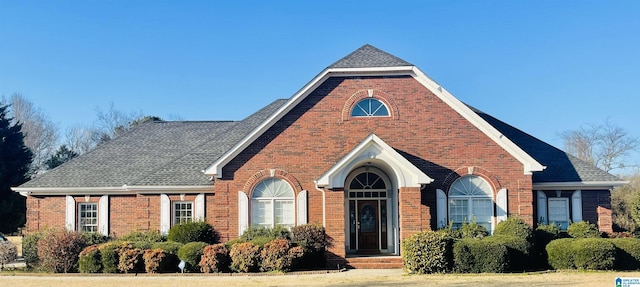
x=70, y=213
x=103, y=217
x=542, y=208
x=243, y=212
x=200, y=207
x=302, y=207
x=441, y=208
x=165, y=214
x=576, y=206
x=502, y=205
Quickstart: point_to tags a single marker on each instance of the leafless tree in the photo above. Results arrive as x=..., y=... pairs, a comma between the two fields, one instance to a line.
x=40, y=133
x=606, y=146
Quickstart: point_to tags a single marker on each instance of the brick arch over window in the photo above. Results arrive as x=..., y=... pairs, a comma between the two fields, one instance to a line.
x=269, y=173
x=370, y=93
x=473, y=170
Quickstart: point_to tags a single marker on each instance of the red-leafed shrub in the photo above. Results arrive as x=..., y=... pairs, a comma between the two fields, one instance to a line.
x=8, y=252
x=155, y=260
x=130, y=258
x=278, y=255
x=244, y=257
x=59, y=251
x=215, y=258
x=90, y=260
x=314, y=241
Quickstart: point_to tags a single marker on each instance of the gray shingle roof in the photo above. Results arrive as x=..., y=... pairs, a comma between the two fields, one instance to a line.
x=369, y=56
x=561, y=166
x=155, y=154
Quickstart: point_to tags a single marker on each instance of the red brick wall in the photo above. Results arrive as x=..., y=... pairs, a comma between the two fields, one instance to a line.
x=317, y=133
x=596, y=208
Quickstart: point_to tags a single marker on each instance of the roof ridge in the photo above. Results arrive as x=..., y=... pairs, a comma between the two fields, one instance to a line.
x=369, y=56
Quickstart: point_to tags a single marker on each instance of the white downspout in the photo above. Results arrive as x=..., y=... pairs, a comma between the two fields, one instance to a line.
x=324, y=206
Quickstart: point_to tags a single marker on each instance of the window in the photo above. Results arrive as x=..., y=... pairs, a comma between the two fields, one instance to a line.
x=471, y=198
x=272, y=204
x=559, y=212
x=88, y=217
x=370, y=107
x=182, y=212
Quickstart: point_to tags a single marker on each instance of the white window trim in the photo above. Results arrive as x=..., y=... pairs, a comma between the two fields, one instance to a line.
x=97, y=217
x=173, y=210
x=273, y=201
x=565, y=201
x=382, y=103
x=470, y=205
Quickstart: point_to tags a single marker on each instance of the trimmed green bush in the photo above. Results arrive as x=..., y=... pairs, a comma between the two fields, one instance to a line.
x=594, y=254
x=90, y=238
x=168, y=247
x=278, y=255
x=144, y=236
x=543, y=234
x=58, y=251
x=198, y=231
x=428, y=252
x=215, y=258
x=171, y=260
x=518, y=249
x=583, y=229
x=30, y=248
x=313, y=239
x=191, y=254
x=478, y=256
x=90, y=260
x=628, y=253
x=514, y=226
x=109, y=256
x=272, y=233
x=472, y=230
x=560, y=253
x=244, y=257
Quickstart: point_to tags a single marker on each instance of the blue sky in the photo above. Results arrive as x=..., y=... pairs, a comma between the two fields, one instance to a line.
x=542, y=66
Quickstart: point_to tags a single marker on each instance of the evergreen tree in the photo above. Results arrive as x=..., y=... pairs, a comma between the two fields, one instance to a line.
x=15, y=160
x=62, y=155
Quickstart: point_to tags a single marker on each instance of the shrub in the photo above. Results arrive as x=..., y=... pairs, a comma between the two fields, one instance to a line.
x=518, y=250
x=261, y=240
x=109, y=256
x=8, y=253
x=472, y=230
x=478, y=256
x=155, y=260
x=191, y=254
x=543, y=234
x=142, y=245
x=593, y=254
x=514, y=226
x=130, y=258
x=198, y=231
x=628, y=253
x=560, y=253
x=168, y=247
x=93, y=238
x=90, y=260
x=278, y=255
x=215, y=258
x=313, y=239
x=144, y=236
x=272, y=233
x=58, y=251
x=428, y=252
x=583, y=229
x=244, y=257
x=30, y=248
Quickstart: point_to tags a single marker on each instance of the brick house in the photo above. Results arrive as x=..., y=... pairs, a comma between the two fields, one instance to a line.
x=371, y=148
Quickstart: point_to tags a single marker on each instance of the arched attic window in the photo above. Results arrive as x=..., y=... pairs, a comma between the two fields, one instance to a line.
x=370, y=107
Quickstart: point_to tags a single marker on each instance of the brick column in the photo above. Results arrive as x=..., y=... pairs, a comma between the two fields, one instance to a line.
x=409, y=211
x=334, y=201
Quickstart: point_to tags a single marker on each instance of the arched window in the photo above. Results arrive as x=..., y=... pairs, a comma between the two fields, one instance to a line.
x=370, y=107
x=471, y=198
x=272, y=204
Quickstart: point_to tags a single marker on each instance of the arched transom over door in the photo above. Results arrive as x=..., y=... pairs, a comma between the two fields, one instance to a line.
x=368, y=197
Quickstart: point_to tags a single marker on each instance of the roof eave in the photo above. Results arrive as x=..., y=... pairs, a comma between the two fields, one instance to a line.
x=125, y=189
x=578, y=185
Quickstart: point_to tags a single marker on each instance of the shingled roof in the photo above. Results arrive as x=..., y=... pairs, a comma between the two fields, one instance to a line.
x=154, y=154
x=369, y=56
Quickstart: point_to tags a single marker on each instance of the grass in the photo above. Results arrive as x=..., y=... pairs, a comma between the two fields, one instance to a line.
x=348, y=278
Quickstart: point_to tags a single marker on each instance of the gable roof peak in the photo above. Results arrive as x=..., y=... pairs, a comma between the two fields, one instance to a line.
x=369, y=56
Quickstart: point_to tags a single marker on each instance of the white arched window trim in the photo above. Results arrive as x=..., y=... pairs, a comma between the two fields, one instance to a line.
x=273, y=203
x=471, y=198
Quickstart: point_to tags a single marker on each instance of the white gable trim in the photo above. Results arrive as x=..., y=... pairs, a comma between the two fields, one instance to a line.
x=373, y=149
x=529, y=163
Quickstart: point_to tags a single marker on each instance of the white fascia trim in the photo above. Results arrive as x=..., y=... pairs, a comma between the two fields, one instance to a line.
x=216, y=168
x=529, y=163
x=578, y=185
x=125, y=189
x=365, y=151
